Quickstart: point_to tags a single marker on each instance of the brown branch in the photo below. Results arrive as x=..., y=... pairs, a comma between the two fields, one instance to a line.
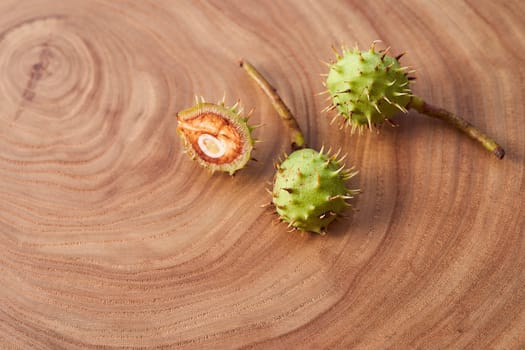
x=281, y=108
x=489, y=144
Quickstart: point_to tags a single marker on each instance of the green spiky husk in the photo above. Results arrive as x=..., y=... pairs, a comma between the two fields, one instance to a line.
x=367, y=87
x=234, y=116
x=310, y=190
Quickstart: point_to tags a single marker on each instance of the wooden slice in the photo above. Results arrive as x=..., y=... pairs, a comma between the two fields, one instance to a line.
x=111, y=237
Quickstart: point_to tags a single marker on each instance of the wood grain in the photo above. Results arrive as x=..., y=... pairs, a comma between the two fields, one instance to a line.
x=112, y=238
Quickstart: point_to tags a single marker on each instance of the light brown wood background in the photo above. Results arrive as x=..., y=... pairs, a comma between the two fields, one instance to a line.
x=111, y=237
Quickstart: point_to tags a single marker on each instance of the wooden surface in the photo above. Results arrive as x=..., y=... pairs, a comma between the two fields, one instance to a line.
x=111, y=237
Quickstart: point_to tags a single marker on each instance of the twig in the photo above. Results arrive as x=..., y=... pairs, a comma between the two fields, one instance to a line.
x=489, y=144
x=281, y=108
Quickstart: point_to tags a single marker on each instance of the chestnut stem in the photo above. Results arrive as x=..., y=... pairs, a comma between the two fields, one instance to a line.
x=489, y=144
x=281, y=108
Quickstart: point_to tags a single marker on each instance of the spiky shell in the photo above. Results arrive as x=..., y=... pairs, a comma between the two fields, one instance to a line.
x=367, y=87
x=310, y=190
x=218, y=137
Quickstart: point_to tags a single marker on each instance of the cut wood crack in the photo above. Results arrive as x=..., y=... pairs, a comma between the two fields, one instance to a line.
x=37, y=71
